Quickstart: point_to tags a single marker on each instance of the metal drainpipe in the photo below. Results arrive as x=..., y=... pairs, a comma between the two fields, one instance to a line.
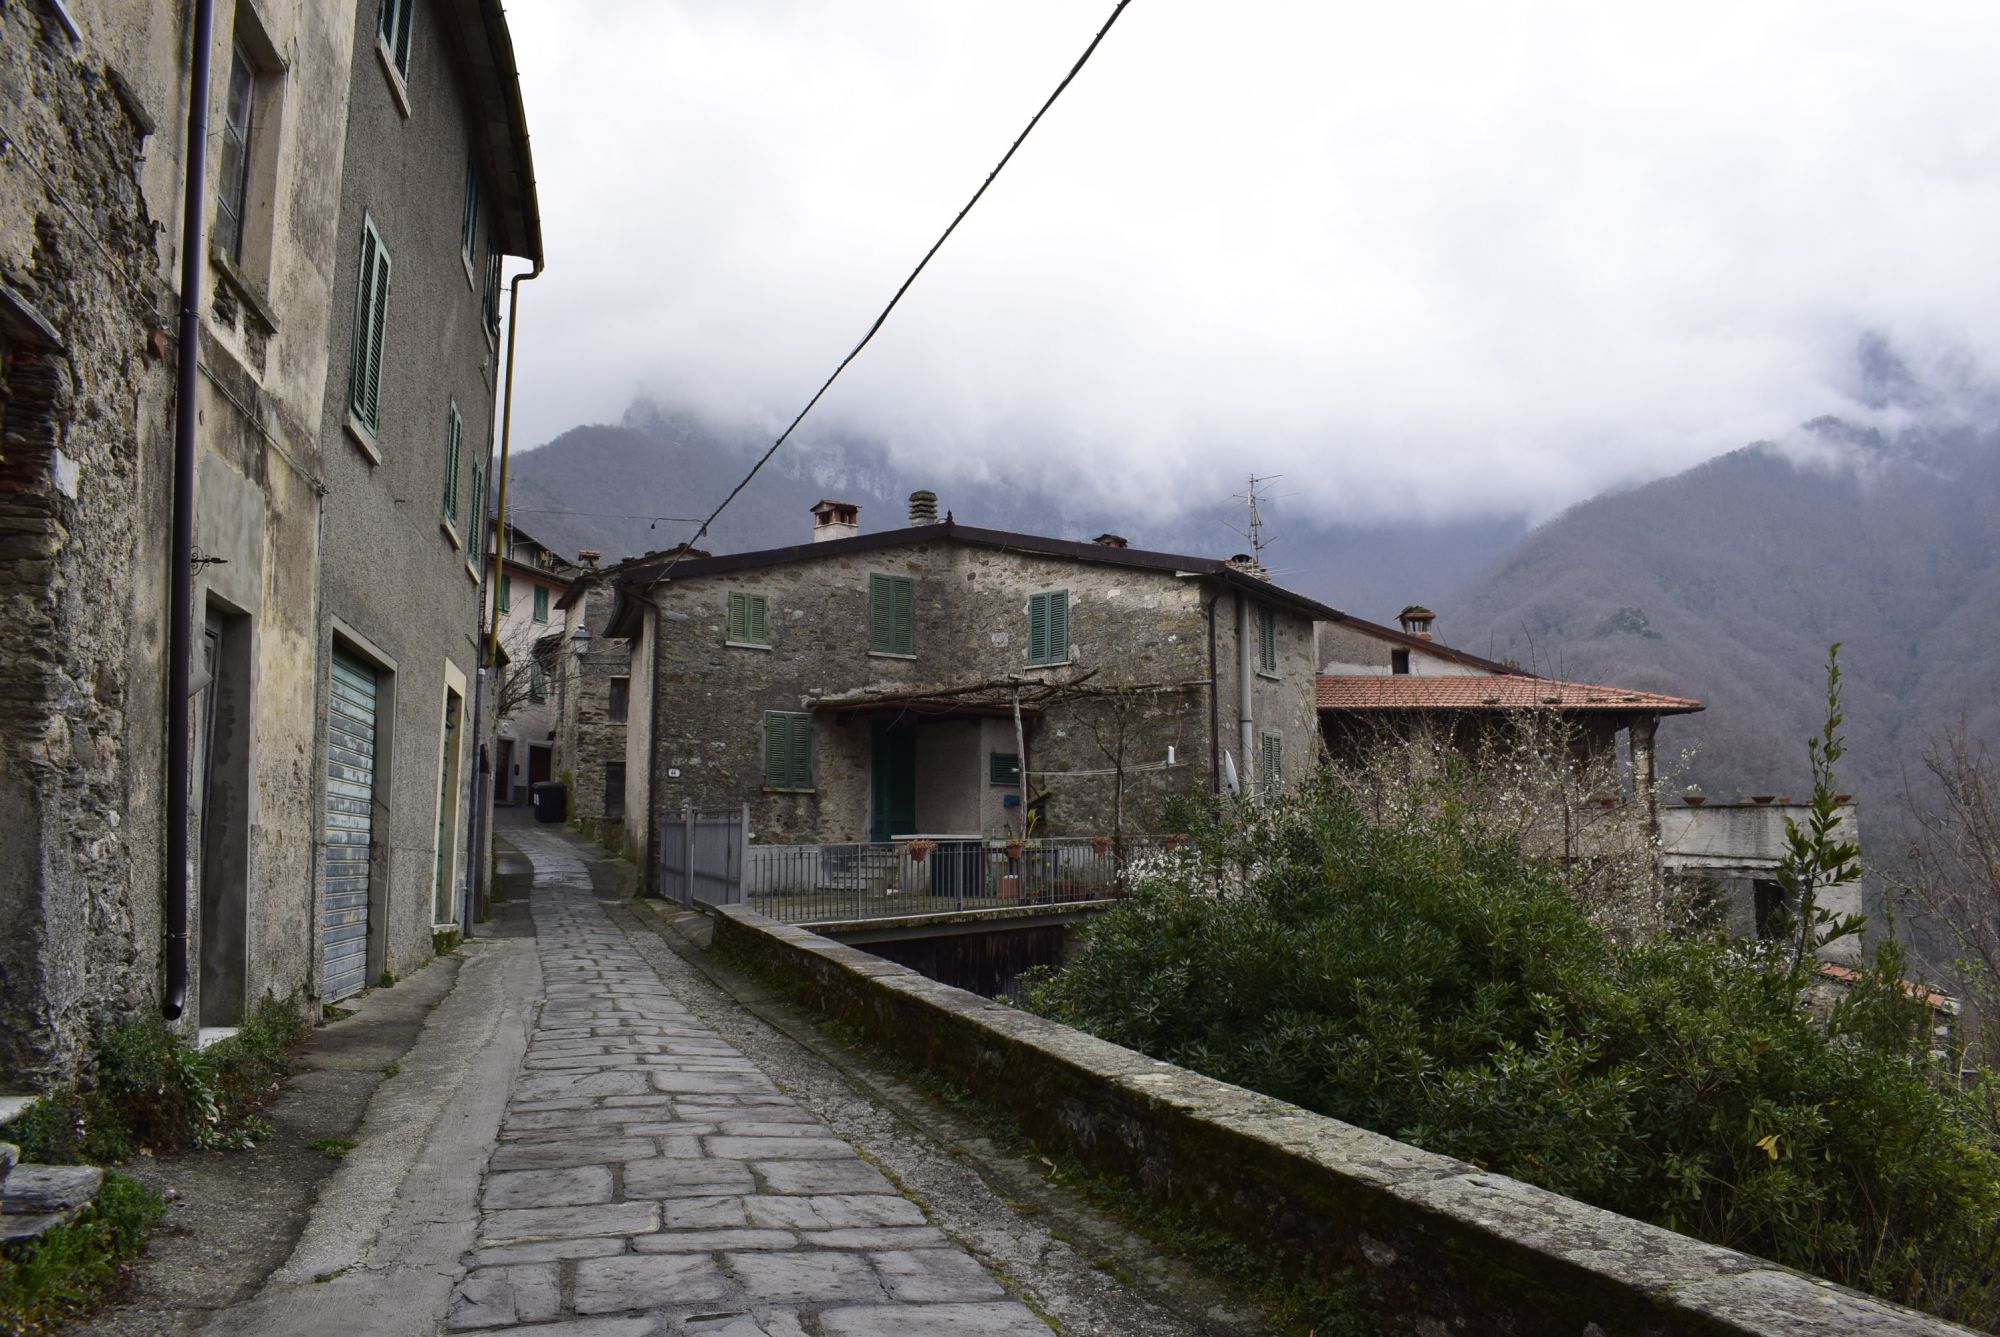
x=180, y=617
x=1246, y=721
x=490, y=656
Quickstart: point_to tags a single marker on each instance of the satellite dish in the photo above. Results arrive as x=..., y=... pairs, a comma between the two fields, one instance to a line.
x=1229, y=780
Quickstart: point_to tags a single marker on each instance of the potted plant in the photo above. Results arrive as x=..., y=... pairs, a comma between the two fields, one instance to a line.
x=920, y=849
x=1693, y=796
x=1173, y=842
x=1102, y=844
x=1015, y=848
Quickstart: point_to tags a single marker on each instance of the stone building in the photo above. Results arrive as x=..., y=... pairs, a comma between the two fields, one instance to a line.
x=95, y=101
x=528, y=577
x=864, y=686
x=593, y=702
x=437, y=186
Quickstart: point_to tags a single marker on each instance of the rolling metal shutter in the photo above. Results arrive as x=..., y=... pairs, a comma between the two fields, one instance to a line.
x=350, y=803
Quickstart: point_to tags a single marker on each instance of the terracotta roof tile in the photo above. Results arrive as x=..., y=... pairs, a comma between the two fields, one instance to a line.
x=1496, y=691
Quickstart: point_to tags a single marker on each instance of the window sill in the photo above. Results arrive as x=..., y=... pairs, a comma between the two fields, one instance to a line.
x=451, y=531
x=1269, y=677
x=254, y=297
x=466, y=261
x=748, y=645
x=397, y=86
x=785, y=789
x=889, y=654
x=363, y=438
x=472, y=570
x=1050, y=663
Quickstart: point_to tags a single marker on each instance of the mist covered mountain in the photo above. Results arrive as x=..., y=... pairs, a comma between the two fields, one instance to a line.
x=625, y=488
x=1728, y=582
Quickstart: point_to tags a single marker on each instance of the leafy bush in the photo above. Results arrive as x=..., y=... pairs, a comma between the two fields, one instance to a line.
x=152, y=1091
x=1408, y=969
x=58, y=1276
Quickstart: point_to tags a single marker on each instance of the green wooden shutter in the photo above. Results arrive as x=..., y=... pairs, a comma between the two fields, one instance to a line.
x=738, y=628
x=787, y=750
x=541, y=603
x=1273, y=767
x=357, y=359
x=392, y=24
x=1048, y=627
x=1267, y=640
x=1003, y=768
x=757, y=619
x=468, y=222
x=454, y=431
x=476, y=541
x=892, y=615
x=506, y=591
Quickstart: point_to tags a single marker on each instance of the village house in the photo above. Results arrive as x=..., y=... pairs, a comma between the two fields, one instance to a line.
x=950, y=681
x=593, y=702
x=195, y=537
x=437, y=186
x=527, y=578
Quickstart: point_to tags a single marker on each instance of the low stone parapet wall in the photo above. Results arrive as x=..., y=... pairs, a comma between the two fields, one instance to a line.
x=1450, y=1247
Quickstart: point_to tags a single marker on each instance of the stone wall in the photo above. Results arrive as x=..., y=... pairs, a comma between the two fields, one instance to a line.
x=587, y=738
x=1139, y=647
x=1441, y=1245
x=84, y=422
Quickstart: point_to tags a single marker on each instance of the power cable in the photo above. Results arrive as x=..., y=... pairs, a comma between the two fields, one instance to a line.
x=936, y=246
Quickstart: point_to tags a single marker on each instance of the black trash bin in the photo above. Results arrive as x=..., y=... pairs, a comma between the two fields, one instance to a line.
x=551, y=801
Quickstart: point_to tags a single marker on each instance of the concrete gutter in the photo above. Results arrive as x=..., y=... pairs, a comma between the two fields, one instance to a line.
x=383, y=1248
x=1448, y=1246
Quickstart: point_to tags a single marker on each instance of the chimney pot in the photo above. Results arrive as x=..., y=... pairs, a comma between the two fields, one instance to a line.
x=835, y=520
x=1110, y=541
x=1416, y=620
x=1248, y=565
x=923, y=507
x=589, y=557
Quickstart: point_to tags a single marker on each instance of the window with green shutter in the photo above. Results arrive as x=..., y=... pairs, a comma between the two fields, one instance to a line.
x=787, y=750
x=541, y=603
x=892, y=615
x=1267, y=641
x=749, y=619
x=392, y=26
x=476, y=545
x=506, y=592
x=1272, y=767
x=454, y=433
x=538, y=683
x=371, y=312
x=1003, y=769
x=468, y=221
x=1048, y=627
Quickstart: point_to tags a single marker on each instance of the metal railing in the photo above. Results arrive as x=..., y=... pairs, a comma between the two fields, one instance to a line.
x=703, y=857
x=806, y=884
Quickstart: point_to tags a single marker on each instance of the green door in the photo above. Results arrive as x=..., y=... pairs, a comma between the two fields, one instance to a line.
x=892, y=772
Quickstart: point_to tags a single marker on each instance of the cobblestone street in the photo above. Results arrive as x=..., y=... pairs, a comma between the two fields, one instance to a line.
x=649, y=1179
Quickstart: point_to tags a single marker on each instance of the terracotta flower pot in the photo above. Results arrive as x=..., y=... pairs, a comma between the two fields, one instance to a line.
x=1015, y=849
x=1762, y=798
x=1694, y=800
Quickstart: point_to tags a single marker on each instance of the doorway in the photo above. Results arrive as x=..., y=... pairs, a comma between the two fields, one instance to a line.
x=503, y=772
x=541, y=760
x=892, y=781
x=219, y=823
x=444, y=882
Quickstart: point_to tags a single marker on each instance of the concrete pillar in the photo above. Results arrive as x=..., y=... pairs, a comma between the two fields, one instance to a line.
x=1641, y=733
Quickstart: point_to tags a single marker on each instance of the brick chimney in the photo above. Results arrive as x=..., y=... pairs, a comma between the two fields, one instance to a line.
x=835, y=520
x=923, y=507
x=1416, y=620
x=1110, y=541
x=1248, y=565
x=588, y=558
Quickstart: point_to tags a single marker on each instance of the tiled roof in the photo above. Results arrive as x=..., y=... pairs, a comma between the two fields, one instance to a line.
x=1495, y=691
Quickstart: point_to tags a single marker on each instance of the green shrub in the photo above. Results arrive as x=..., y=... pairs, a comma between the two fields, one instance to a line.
x=57, y=1276
x=1412, y=972
x=149, y=1090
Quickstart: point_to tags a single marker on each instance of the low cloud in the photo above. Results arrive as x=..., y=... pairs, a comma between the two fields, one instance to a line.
x=1428, y=262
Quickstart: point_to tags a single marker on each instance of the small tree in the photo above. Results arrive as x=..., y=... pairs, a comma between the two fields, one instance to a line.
x=1953, y=874
x=1817, y=856
x=523, y=680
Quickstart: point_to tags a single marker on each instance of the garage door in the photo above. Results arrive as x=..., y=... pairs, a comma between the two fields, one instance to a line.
x=350, y=819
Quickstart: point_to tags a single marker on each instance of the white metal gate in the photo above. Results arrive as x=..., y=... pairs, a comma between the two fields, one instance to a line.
x=702, y=857
x=350, y=821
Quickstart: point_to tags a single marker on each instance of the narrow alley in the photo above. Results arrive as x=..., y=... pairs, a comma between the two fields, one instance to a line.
x=645, y=1176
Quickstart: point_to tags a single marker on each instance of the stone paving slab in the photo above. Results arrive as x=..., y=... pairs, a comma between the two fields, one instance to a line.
x=651, y=1181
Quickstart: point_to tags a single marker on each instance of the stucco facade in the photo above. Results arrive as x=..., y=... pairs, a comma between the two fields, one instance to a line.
x=405, y=505
x=527, y=583
x=1136, y=681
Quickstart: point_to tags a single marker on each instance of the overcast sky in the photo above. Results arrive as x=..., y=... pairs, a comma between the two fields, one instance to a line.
x=1425, y=260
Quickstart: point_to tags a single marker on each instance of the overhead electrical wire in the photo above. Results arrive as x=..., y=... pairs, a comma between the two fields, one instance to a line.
x=936, y=246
